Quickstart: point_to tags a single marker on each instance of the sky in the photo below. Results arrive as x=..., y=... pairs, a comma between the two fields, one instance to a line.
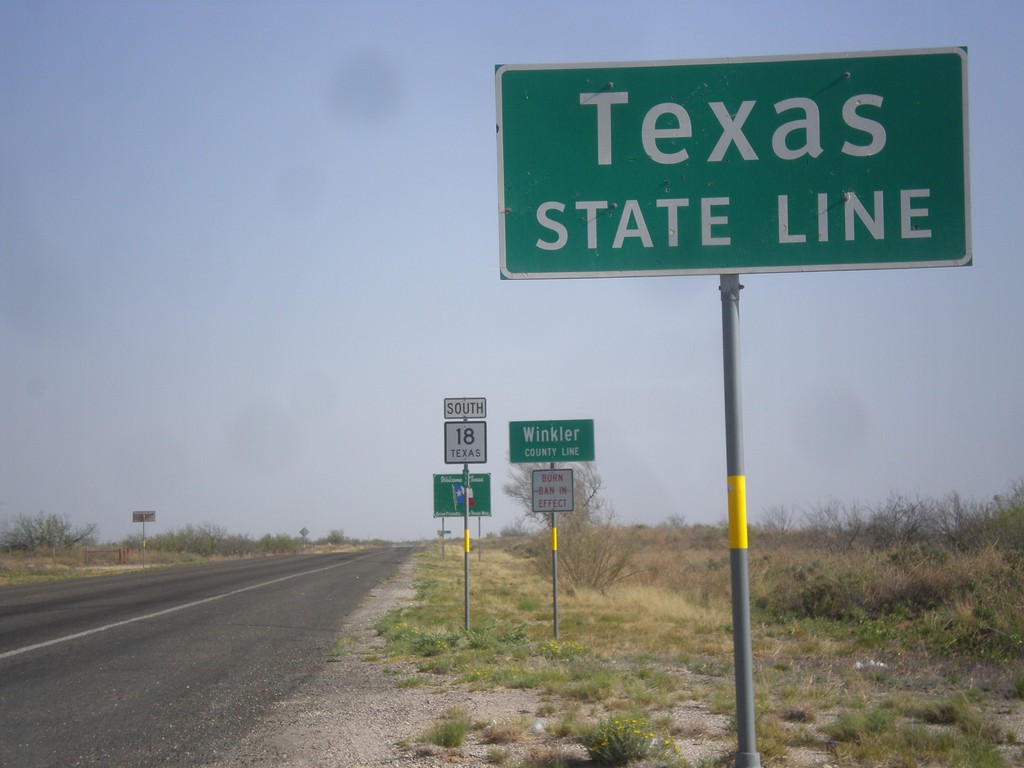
x=248, y=249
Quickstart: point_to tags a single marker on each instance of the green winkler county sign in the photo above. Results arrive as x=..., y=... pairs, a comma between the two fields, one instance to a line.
x=551, y=441
x=779, y=164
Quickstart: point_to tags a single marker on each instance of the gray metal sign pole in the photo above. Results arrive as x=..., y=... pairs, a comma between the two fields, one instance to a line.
x=142, y=517
x=465, y=535
x=554, y=567
x=747, y=755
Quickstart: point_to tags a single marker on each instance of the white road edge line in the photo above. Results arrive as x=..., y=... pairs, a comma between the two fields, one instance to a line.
x=96, y=630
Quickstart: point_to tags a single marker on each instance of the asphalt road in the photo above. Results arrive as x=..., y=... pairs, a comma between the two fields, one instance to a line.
x=169, y=666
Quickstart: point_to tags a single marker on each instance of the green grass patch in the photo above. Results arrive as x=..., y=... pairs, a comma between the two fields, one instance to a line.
x=893, y=734
x=450, y=731
x=411, y=682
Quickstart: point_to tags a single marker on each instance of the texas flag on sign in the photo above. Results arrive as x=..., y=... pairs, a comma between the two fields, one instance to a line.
x=460, y=496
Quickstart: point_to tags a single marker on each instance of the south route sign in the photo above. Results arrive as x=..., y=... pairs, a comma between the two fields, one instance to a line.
x=465, y=407
x=777, y=164
x=465, y=442
x=531, y=442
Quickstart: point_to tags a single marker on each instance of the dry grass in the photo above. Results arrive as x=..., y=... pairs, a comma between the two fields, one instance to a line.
x=29, y=567
x=634, y=619
x=505, y=732
x=661, y=642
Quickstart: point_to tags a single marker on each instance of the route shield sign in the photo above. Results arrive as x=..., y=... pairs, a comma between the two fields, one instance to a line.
x=465, y=442
x=531, y=442
x=777, y=164
x=449, y=495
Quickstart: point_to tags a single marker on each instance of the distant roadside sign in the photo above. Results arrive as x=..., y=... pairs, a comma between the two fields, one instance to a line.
x=143, y=517
x=771, y=164
x=553, y=490
x=465, y=408
x=449, y=495
x=551, y=441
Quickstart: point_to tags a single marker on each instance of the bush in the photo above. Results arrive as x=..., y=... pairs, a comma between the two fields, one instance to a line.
x=335, y=538
x=1006, y=518
x=435, y=643
x=280, y=544
x=562, y=650
x=617, y=741
x=27, y=533
x=597, y=556
x=205, y=540
x=590, y=555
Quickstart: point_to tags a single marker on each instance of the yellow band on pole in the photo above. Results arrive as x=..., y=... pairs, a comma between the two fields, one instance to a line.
x=554, y=539
x=737, y=512
x=467, y=539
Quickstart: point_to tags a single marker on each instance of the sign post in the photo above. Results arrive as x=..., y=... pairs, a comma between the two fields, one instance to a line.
x=465, y=442
x=144, y=517
x=724, y=167
x=552, y=489
x=747, y=755
x=553, y=492
x=442, y=533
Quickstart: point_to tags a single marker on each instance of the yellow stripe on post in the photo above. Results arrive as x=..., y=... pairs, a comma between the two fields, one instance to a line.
x=737, y=512
x=554, y=539
x=467, y=539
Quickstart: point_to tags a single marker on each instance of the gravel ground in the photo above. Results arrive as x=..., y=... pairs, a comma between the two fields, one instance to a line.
x=352, y=714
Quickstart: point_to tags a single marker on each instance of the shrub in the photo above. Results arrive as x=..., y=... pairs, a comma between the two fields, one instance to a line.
x=594, y=556
x=1006, y=517
x=25, y=532
x=515, y=635
x=434, y=643
x=617, y=741
x=562, y=650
